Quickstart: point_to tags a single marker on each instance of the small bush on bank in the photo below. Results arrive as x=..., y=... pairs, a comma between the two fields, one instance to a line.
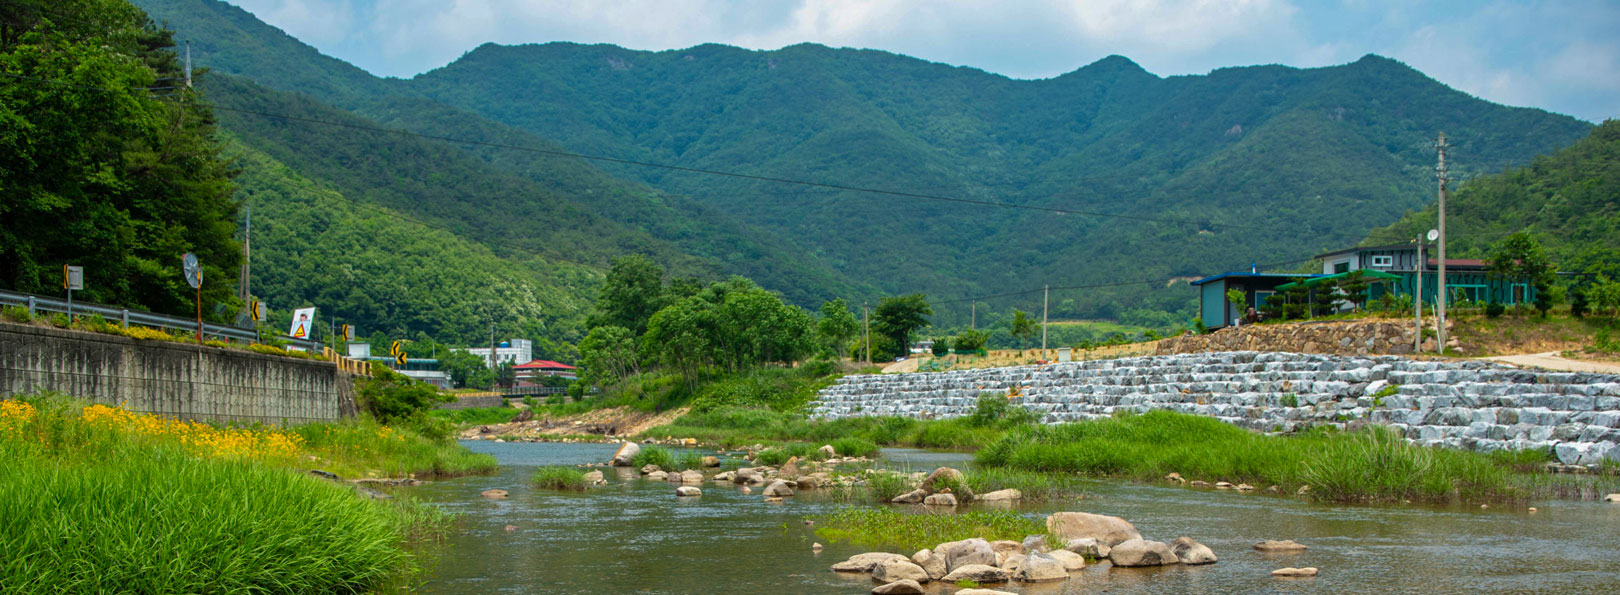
x=854, y=446
x=653, y=455
x=773, y=457
x=16, y=314
x=559, y=478
x=689, y=460
x=476, y=416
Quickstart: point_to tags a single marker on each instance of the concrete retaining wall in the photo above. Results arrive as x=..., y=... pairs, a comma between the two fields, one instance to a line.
x=180, y=380
x=1465, y=404
x=471, y=402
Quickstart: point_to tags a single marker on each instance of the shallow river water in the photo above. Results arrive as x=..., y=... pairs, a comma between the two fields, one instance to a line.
x=635, y=536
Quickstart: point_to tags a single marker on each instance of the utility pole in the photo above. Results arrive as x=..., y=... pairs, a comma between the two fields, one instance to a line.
x=973, y=317
x=492, y=347
x=1440, y=319
x=1417, y=299
x=866, y=332
x=188, y=63
x=245, y=284
x=1046, y=295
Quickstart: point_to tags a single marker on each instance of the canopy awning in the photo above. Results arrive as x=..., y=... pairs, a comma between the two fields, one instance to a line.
x=1370, y=275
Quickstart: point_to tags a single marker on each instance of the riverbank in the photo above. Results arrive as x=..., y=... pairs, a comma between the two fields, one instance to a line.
x=99, y=499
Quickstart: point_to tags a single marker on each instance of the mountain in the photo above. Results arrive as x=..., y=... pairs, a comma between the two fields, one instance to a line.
x=1569, y=201
x=1127, y=179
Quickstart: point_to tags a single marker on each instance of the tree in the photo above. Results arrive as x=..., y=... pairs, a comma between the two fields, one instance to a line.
x=972, y=340
x=837, y=325
x=1519, y=256
x=942, y=346
x=101, y=173
x=631, y=294
x=461, y=365
x=1235, y=297
x=390, y=396
x=899, y=316
x=1023, y=327
x=608, y=355
x=1353, y=288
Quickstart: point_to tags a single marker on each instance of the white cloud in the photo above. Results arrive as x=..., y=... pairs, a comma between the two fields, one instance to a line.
x=316, y=22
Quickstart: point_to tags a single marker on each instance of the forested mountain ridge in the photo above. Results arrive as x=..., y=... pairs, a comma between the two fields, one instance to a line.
x=1201, y=173
x=1569, y=201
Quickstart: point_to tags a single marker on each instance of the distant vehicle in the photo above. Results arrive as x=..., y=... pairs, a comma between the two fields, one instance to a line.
x=900, y=359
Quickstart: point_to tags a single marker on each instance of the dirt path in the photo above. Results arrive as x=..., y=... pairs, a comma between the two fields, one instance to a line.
x=1552, y=361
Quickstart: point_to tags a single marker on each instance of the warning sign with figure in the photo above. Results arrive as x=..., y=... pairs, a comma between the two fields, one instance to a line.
x=302, y=323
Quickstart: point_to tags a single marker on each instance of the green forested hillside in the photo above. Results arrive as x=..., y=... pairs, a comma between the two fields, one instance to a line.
x=1160, y=176
x=1569, y=200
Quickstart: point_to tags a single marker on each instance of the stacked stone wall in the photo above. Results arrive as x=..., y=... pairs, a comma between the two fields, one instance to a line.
x=1376, y=337
x=1472, y=405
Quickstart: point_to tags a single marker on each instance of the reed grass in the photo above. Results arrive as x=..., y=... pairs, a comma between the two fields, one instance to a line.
x=653, y=455
x=909, y=531
x=559, y=478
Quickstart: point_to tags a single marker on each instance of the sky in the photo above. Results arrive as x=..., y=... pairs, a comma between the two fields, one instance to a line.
x=1562, y=56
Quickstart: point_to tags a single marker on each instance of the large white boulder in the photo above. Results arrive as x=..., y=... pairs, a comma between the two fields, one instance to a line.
x=626, y=452
x=1139, y=552
x=1107, y=530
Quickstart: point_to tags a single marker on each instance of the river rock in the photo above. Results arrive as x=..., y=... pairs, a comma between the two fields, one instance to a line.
x=495, y=494
x=1088, y=547
x=369, y=493
x=983, y=592
x=626, y=452
x=1070, y=560
x=930, y=563
x=790, y=469
x=657, y=476
x=1033, y=543
x=978, y=573
x=711, y=461
x=1279, y=546
x=940, y=500
x=688, y=491
x=946, y=477
x=1139, y=552
x=965, y=552
x=827, y=451
x=725, y=476
x=1295, y=572
x=649, y=469
x=1192, y=552
x=1612, y=498
x=1175, y=477
x=778, y=489
x=747, y=476
x=595, y=478
x=1040, y=568
x=691, y=476
x=866, y=562
x=1007, y=495
x=1243, y=487
x=1009, y=562
x=1005, y=547
x=1107, y=530
x=900, y=587
x=899, y=570
x=808, y=482
x=911, y=497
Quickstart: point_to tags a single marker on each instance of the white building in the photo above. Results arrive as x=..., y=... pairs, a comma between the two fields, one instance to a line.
x=515, y=351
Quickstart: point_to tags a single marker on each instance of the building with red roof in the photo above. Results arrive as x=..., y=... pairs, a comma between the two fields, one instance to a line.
x=531, y=373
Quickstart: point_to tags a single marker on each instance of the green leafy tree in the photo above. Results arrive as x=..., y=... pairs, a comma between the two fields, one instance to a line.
x=1236, y=298
x=1519, y=256
x=99, y=172
x=1023, y=327
x=390, y=396
x=942, y=346
x=461, y=365
x=971, y=340
x=1353, y=288
x=632, y=293
x=837, y=325
x=899, y=316
x=608, y=355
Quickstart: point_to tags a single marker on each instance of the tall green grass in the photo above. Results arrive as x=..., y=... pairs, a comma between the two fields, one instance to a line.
x=476, y=416
x=559, y=478
x=653, y=455
x=362, y=447
x=86, y=507
x=912, y=531
x=1367, y=465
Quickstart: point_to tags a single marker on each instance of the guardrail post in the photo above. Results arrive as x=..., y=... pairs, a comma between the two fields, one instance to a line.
x=31, y=313
x=124, y=314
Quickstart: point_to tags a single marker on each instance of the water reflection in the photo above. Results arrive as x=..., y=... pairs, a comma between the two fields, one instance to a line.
x=636, y=536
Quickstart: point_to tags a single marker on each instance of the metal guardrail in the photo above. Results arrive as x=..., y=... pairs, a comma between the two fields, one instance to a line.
x=125, y=317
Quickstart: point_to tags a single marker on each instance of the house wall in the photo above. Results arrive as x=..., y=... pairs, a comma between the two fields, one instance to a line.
x=1212, y=303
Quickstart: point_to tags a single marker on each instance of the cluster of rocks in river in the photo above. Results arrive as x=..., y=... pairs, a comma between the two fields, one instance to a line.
x=778, y=483
x=1473, y=405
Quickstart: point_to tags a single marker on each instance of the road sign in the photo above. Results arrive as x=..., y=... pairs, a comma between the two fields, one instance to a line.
x=396, y=348
x=302, y=323
x=399, y=359
x=72, y=277
x=348, y=332
x=257, y=310
x=192, y=269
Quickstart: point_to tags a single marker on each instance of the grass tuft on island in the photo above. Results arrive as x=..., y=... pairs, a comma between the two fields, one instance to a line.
x=1372, y=464
x=560, y=478
x=912, y=531
x=98, y=499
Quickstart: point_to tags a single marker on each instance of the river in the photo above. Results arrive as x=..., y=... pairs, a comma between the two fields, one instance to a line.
x=635, y=536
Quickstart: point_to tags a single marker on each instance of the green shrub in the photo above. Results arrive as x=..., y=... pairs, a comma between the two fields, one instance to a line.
x=1494, y=309
x=855, y=447
x=559, y=478
x=773, y=457
x=689, y=460
x=1288, y=400
x=653, y=455
x=390, y=396
x=16, y=314
x=996, y=410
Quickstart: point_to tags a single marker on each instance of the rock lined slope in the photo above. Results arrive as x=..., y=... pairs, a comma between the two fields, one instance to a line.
x=1472, y=405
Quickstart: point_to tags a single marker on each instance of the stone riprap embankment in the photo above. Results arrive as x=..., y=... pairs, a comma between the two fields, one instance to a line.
x=1474, y=405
